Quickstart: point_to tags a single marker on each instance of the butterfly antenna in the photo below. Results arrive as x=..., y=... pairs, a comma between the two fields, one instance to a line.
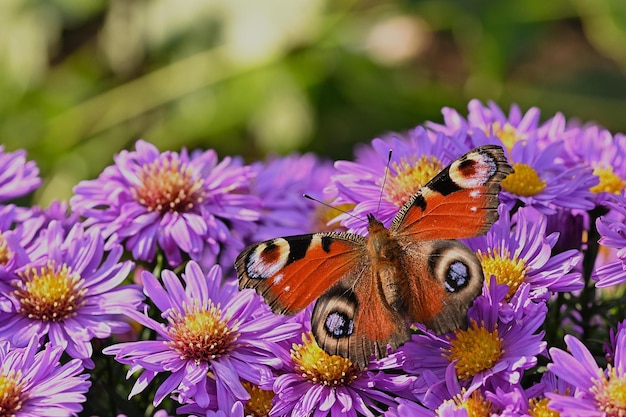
x=333, y=207
x=382, y=187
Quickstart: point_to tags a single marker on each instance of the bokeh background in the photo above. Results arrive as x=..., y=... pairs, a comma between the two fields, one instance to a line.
x=82, y=79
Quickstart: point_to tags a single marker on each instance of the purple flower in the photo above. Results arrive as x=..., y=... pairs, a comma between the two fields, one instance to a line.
x=209, y=327
x=416, y=158
x=34, y=384
x=184, y=204
x=18, y=177
x=68, y=292
x=517, y=250
x=280, y=183
x=612, y=230
x=597, y=391
x=320, y=384
x=491, y=121
x=595, y=147
x=541, y=181
x=498, y=345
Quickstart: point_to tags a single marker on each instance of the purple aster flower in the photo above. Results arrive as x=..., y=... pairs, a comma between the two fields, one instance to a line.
x=491, y=121
x=500, y=342
x=34, y=384
x=612, y=230
x=280, y=183
x=416, y=158
x=541, y=181
x=182, y=203
x=18, y=177
x=320, y=384
x=517, y=250
x=597, y=391
x=68, y=292
x=210, y=328
x=445, y=397
x=606, y=154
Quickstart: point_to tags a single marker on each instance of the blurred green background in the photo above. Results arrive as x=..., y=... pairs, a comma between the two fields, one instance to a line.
x=82, y=79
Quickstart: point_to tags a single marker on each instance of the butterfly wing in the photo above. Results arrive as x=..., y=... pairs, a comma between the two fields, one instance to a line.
x=354, y=321
x=445, y=277
x=292, y=272
x=459, y=202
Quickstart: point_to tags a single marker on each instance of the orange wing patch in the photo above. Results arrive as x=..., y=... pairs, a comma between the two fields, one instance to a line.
x=292, y=272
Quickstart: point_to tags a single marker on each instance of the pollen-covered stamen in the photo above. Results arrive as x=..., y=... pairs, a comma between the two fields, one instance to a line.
x=318, y=367
x=5, y=253
x=507, y=133
x=525, y=181
x=200, y=332
x=538, y=407
x=507, y=269
x=410, y=176
x=609, y=392
x=50, y=292
x=11, y=393
x=476, y=404
x=168, y=184
x=475, y=349
x=260, y=402
x=609, y=181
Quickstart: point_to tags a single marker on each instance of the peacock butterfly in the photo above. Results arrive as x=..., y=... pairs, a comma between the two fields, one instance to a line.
x=370, y=288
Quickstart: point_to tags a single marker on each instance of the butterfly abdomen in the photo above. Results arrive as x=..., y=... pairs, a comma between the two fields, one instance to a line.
x=385, y=254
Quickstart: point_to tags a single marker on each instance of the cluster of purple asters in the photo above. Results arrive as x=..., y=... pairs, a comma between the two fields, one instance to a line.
x=124, y=300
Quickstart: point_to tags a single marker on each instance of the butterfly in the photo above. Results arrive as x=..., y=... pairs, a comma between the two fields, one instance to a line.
x=369, y=289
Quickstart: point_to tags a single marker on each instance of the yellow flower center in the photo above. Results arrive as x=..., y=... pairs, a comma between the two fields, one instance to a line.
x=324, y=214
x=507, y=133
x=524, y=181
x=168, y=184
x=260, y=402
x=5, y=253
x=610, y=393
x=474, y=349
x=507, y=269
x=410, y=176
x=476, y=405
x=609, y=181
x=539, y=408
x=11, y=393
x=318, y=367
x=50, y=292
x=200, y=333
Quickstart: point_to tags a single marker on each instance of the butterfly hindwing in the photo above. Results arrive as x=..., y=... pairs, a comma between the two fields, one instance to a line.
x=291, y=272
x=445, y=278
x=352, y=320
x=459, y=202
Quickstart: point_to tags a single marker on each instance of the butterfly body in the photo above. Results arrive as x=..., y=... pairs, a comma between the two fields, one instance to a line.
x=367, y=290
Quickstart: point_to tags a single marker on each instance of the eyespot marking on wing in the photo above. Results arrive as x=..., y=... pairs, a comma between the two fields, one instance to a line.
x=457, y=276
x=267, y=259
x=338, y=324
x=473, y=170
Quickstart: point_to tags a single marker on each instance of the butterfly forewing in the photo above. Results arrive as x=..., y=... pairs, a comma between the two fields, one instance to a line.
x=459, y=202
x=291, y=272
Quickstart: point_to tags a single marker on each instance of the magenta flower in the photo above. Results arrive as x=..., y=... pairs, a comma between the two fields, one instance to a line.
x=597, y=391
x=18, y=177
x=500, y=342
x=186, y=205
x=34, y=383
x=517, y=250
x=208, y=328
x=612, y=230
x=68, y=292
x=280, y=183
